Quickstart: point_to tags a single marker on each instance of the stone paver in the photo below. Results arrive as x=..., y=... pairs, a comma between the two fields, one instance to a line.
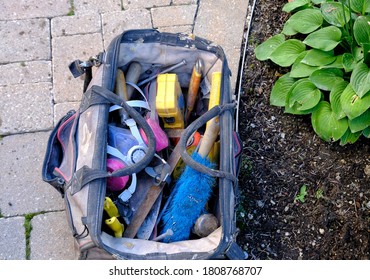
x=25, y=72
x=173, y=15
x=97, y=6
x=116, y=22
x=177, y=29
x=183, y=2
x=22, y=9
x=134, y=4
x=25, y=108
x=216, y=20
x=21, y=186
x=24, y=40
x=51, y=230
x=65, y=50
x=79, y=24
x=60, y=109
x=12, y=239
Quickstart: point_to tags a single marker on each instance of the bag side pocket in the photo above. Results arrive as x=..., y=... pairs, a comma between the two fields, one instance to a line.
x=55, y=154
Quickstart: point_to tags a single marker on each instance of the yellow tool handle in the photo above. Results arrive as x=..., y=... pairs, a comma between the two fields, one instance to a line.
x=115, y=226
x=110, y=208
x=213, y=125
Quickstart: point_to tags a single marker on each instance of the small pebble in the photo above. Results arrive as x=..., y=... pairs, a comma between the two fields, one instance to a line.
x=322, y=231
x=367, y=170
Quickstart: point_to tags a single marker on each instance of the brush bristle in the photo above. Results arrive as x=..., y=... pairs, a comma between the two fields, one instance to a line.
x=191, y=193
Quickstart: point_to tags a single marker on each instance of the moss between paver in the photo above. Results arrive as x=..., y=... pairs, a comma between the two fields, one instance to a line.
x=71, y=9
x=28, y=229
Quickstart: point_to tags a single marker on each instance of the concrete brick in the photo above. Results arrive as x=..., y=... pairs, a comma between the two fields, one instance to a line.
x=21, y=186
x=137, y=4
x=216, y=21
x=184, y=2
x=25, y=72
x=65, y=50
x=177, y=29
x=97, y=6
x=79, y=24
x=24, y=40
x=12, y=239
x=173, y=15
x=24, y=9
x=61, y=109
x=25, y=108
x=116, y=22
x=51, y=237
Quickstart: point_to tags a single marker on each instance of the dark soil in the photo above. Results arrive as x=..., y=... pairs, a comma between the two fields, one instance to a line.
x=281, y=154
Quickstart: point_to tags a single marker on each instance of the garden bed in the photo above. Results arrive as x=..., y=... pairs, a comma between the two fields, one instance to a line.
x=282, y=157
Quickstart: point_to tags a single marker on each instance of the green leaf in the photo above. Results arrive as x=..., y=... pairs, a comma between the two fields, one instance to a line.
x=264, y=50
x=349, y=137
x=304, y=96
x=360, y=79
x=280, y=90
x=318, y=58
x=294, y=110
x=360, y=123
x=306, y=21
x=338, y=63
x=333, y=13
x=288, y=29
x=291, y=6
x=302, y=194
x=285, y=54
x=334, y=98
x=360, y=6
x=318, y=1
x=301, y=70
x=352, y=104
x=325, y=39
x=326, y=78
x=366, y=132
x=361, y=30
x=326, y=124
x=348, y=62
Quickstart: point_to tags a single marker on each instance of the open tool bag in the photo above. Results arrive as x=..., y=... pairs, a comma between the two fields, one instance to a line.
x=148, y=164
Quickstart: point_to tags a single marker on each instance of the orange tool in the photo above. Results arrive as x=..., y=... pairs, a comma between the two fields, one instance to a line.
x=193, y=88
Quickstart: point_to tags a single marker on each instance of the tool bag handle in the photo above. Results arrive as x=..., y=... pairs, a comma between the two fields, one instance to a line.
x=195, y=125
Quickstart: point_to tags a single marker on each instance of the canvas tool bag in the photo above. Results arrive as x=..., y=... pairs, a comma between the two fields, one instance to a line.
x=79, y=147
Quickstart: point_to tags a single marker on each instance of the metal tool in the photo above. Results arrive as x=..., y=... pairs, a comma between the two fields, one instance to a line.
x=169, y=69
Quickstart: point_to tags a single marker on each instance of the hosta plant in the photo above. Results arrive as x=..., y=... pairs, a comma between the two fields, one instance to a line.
x=326, y=47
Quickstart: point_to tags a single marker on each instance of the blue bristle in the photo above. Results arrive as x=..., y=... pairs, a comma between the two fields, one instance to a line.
x=191, y=193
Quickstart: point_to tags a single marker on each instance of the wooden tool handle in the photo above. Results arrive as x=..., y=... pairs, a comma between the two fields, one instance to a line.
x=152, y=195
x=213, y=125
x=192, y=92
x=143, y=211
x=121, y=89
